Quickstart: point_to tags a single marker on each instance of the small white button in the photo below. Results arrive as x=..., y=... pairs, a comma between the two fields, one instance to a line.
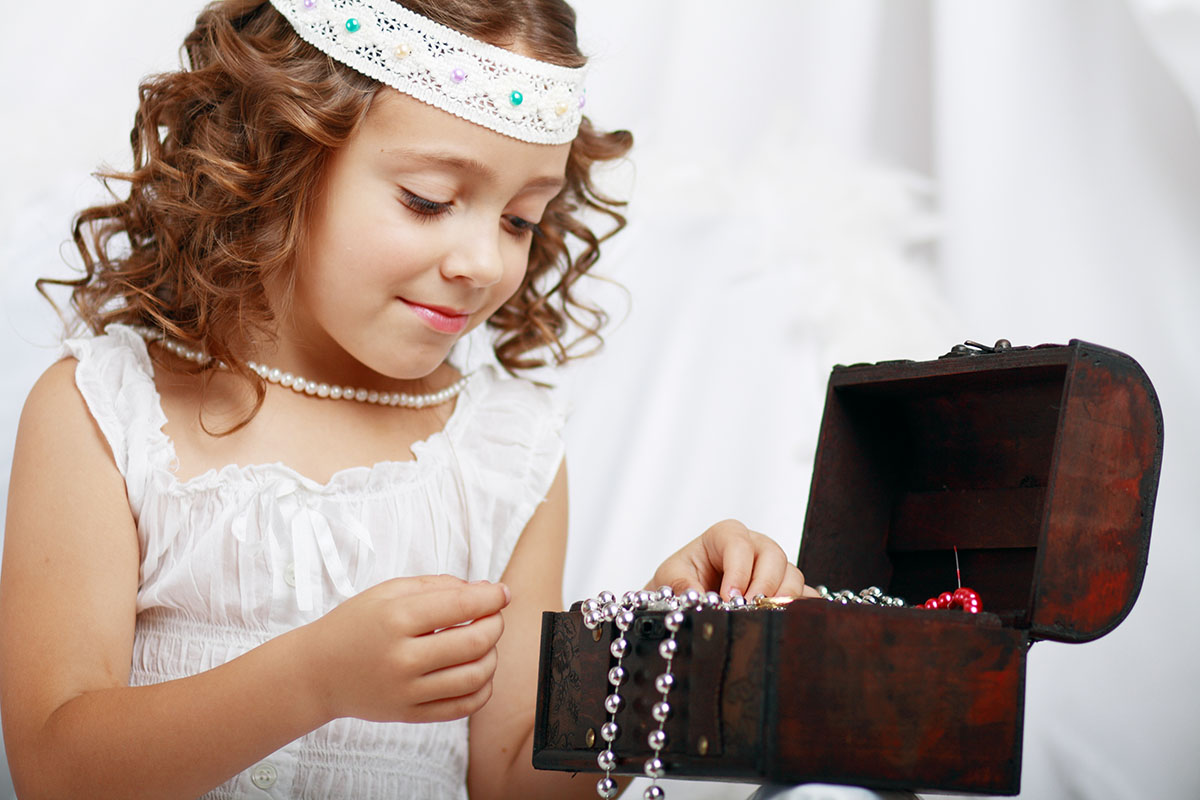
x=263, y=776
x=289, y=574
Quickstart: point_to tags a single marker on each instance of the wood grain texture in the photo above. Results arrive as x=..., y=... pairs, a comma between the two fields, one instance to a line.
x=897, y=698
x=1040, y=465
x=1096, y=538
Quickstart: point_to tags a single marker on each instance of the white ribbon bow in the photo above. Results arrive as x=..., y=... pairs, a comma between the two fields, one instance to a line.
x=293, y=510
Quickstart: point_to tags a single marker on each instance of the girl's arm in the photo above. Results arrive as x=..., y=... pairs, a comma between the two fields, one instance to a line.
x=72, y=726
x=501, y=744
x=727, y=557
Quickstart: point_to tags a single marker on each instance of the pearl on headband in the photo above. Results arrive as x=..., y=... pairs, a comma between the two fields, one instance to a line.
x=521, y=97
x=302, y=385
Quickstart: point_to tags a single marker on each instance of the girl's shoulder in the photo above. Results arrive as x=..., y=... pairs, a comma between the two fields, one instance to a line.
x=52, y=391
x=108, y=381
x=56, y=418
x=502, y=407
x=115, y=362
x=491, y=385
x=57, y=394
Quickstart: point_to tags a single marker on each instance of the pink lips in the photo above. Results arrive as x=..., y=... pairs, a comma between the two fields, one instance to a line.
x=442, y=320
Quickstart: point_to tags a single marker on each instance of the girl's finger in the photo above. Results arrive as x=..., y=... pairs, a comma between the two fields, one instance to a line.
x=460, y=644
x=793, y=584
x=420, y=584
x=736, y=561
x=680, y=573
x=770, y=567
x=457, y=680
x=443, y=710
x=428, y=612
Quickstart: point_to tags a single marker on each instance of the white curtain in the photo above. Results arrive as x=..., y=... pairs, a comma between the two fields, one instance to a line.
x=819, y=182
x=814, y=182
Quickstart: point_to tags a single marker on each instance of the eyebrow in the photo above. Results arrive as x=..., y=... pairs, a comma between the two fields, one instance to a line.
x=467, y=164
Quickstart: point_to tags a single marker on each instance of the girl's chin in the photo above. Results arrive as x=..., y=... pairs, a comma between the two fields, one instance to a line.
x=419, y=369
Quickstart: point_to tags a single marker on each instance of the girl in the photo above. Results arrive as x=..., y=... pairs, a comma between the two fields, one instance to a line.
x=264, y=539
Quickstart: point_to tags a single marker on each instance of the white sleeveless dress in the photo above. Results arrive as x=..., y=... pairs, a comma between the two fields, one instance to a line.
x=235, y=556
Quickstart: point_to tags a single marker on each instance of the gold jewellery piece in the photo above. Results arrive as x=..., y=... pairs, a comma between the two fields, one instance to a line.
x=779, y=601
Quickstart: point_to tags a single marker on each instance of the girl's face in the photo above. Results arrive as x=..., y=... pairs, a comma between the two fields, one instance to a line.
x=421, y=231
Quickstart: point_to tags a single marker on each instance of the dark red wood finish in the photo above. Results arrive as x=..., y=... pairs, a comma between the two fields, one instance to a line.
x=1040, y=465
x=896, y=699
x=1096, y=537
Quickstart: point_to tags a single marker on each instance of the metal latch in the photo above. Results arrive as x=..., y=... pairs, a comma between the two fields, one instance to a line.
x=970, y=348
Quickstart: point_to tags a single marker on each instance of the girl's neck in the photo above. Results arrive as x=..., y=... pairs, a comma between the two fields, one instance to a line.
x=302, y=346
x=207, y=423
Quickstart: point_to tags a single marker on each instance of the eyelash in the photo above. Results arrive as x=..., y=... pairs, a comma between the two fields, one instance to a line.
x=425, y=210
x=523, y=227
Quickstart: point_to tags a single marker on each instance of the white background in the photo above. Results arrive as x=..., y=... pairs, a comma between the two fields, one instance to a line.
x=814, y=182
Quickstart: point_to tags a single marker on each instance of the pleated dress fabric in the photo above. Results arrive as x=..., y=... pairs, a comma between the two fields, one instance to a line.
x=236, y=556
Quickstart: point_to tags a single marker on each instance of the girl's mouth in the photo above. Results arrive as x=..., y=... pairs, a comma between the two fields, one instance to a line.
x=442, y=320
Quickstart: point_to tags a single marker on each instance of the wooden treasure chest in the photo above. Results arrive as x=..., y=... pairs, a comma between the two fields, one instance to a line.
x=1034, y=468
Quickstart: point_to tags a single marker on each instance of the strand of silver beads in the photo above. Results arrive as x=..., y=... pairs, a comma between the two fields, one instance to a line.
x=622, y=619
x=872, y=595
x=661, y=711
x=302, y=385
x=605, y=608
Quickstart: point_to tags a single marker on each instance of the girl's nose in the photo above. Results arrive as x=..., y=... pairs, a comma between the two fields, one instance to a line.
x=474, y=255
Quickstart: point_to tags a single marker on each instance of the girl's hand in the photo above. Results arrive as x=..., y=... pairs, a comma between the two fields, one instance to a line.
x=408, y=650
x=731, y=559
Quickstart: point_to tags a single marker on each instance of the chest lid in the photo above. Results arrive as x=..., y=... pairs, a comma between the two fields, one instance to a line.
x=1040, y=465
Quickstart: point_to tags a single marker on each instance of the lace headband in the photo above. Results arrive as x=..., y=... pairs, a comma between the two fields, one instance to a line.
x=501, y=90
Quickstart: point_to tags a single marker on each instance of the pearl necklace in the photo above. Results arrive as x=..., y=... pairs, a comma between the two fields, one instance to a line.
x=302, y=385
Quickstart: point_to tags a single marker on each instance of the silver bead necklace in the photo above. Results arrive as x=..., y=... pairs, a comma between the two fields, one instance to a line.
x=302, y=385
x=872, y=595
x=606, y=608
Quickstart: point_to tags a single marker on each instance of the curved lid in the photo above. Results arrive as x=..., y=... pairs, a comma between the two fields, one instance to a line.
x=1039, y=465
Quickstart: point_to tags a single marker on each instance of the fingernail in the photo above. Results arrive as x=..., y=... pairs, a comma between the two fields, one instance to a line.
x=735, y=592
x=507, y=593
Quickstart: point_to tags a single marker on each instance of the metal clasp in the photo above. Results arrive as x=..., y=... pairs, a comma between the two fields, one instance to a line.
x=970, y=348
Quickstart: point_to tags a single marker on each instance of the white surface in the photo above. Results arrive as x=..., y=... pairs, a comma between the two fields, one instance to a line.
x=1054, y=138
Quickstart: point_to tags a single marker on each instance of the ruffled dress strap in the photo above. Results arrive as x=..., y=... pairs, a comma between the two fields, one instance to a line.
x=509, y=447
x=116, y=378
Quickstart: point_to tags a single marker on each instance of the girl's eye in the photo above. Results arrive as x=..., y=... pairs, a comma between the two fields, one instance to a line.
x=521, y=227
x=423, y=207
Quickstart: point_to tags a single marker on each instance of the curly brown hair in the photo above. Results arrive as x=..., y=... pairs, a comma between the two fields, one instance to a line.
x=227, y=153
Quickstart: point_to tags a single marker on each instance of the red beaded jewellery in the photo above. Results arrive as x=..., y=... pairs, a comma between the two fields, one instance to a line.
x=962, y=597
